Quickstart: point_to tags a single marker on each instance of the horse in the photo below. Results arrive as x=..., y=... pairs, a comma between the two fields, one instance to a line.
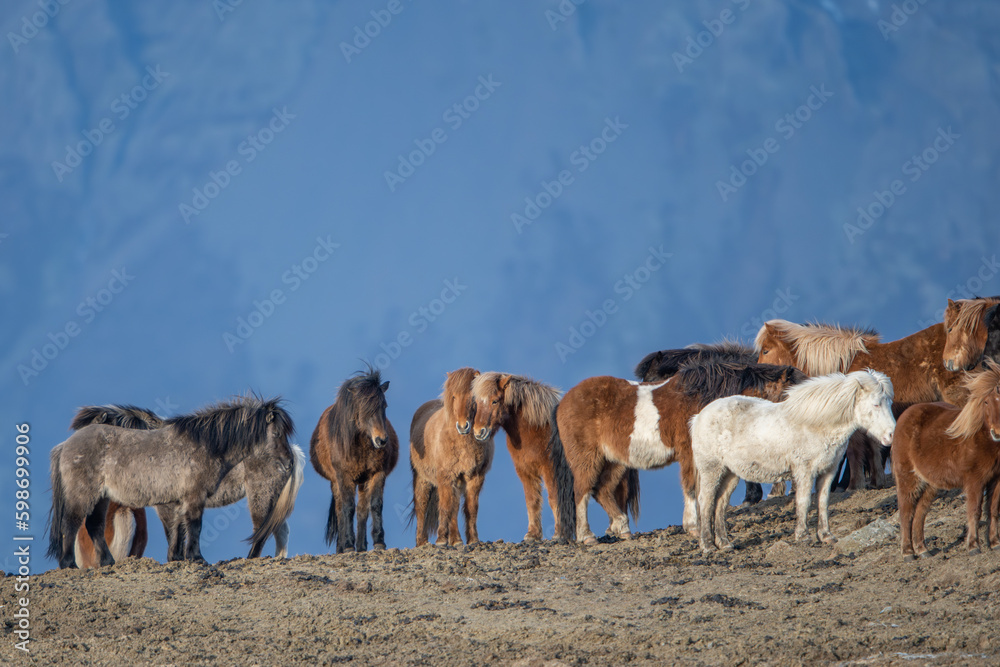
x=182, y=462
x=940, y=446
x=802, y=438
x=125, y=528
x=606, y=425
x=265, y=480
x=967, y=324
x=664, y=364
x=355, y=447
x=914, y=364
x=523, y=407
x=449, y=461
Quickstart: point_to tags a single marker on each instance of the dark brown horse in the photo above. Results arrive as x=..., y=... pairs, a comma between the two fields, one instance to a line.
x=355, y=447
x=448, y=462
x=967, y=323
x=606, y=425
x=939, y=446
x=523, y=409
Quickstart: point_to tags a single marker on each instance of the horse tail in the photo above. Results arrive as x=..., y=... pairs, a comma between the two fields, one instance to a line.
x=564, y=482
x=284, y=504
x=331, y=521
x=57, y=514
x=632, y=493
x=124, y=532
x=430, y=513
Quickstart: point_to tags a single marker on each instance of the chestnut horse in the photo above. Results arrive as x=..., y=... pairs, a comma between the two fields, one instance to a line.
x=125, y=528
x=523, y=409
x=657, y=366
x=914, y=364
x=939, y=446
x=355, y=447
x=967, y=324
x=606, y=425
x=448, y=462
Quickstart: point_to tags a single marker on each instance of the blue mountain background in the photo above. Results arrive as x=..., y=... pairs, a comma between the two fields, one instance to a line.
x=209, y=197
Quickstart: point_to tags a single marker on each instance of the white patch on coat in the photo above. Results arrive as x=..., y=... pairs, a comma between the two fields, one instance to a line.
x=645, y=447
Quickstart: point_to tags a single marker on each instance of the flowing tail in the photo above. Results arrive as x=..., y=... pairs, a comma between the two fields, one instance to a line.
x=430, y=514
x=283, y=506
x=124, y=533
x=57, y=514
x=565, y=499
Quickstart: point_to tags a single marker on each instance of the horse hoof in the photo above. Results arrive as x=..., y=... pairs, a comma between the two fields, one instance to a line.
x=995, y=547
x=378, y=546
x=590, y=541
x=974, y=552
x=909, y=557
x=627, y=535
x=925, y=554
x=727, y=547
x=531, y=537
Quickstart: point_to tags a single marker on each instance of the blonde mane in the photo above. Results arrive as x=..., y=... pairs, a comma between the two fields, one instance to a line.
x=980, y=385
x=830, y=399
x=971, y=312
x=535, y=400
x=821, y=349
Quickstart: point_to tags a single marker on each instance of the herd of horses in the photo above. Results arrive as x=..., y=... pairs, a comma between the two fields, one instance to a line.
x=794, y=407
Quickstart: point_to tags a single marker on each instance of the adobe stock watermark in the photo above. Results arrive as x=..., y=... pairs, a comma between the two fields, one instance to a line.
x=363, y=35
x=581, y=158
x=898, y=17
x=786, y=126
x=627, y=287
x=294, y=278
x=225, y=7
x=248, y=149
x=419, y=321
x=564, y=10
x=914, y=168
x=88, y=310
x=122, y=107
x=698, y=42
x=37, y=21
x=454, y=116
x=783, y=300
x=970, y=289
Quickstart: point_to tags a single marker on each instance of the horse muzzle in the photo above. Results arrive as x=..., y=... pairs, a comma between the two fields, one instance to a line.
x=886, y=439
x=995, y=434
x=464, y=430
x=379, y=442
x=482, y=434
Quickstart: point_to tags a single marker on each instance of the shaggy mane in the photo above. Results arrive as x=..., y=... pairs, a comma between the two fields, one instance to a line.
x=972, y=312
x=821, y=349
x=124, y=416
x=830, y=398
x=980, y=384
x=535, y=400
x=236, y=425
x=361, y=394
x=459, y=383
x=709, y=381
x=661, y=365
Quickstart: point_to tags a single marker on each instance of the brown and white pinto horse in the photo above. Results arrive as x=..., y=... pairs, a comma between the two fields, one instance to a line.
x=606, y=425
x=939, y=446
x=967, y=323
x=523, y=409
x=448, y=462
x=913, y=364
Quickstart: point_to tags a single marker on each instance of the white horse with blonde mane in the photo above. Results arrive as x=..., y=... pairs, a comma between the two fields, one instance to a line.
x=802, y=439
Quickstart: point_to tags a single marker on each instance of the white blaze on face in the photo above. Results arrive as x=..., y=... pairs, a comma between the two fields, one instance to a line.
x=646, y=449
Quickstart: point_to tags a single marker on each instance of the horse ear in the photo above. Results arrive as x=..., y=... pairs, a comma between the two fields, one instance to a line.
x=270, y=417
x=951, y=304
x=385, y=386
x=504, y=381
x=102, y=418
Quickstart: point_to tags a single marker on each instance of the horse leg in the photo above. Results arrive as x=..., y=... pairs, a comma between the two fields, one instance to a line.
x=777, y=490
x=993, y=505
x=973, y=511
x=422, y=490
x=877, y=462
x=709, y=481
x=454, y=536
x=192, y=523
x=364, y=508
x=71, y=526
x=281, y=540
x=376, y=489
x=583, y=484
x=95, y=528
x=823, y=507
x=927, y=496
x=803, y=492
x=754, y=493
x=473, y=487
x=689, y=485
x=345, y=515
x=855, y=460
x=607, y=497
x=906, y=495
x=170, y=516
x=551, y=486
x=532, y=484
x=447, y=510
x=726, y=489
x=141, y=535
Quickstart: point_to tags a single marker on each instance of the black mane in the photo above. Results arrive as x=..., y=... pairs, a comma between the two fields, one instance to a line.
x=360, y=395
x=235, y=426
x=709, y=381
x=665, y=363
x=992, y=322
x=125, y=416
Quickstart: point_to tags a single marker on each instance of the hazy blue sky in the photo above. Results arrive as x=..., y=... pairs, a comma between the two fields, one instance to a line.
x=324, y=172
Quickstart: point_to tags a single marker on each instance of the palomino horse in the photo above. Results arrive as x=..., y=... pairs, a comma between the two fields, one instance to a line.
x=125, y=528
x=183, y=462
x=939, y=446
x=967, y=323
x=448, y=461
x=523, y=409
x=913, y=364
x=606, y=425
x=802, y=439
x=355, y=447
x=264, y=480
x=658, y=366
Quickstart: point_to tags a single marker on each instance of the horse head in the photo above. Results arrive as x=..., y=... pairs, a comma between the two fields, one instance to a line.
x=965, y=333
x=369, y=405
x=458, y=402
x=772, y=347
x=873, y=405
x=488, y=396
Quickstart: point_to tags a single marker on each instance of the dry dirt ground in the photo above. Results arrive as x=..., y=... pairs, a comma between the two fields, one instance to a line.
x=652, y=600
